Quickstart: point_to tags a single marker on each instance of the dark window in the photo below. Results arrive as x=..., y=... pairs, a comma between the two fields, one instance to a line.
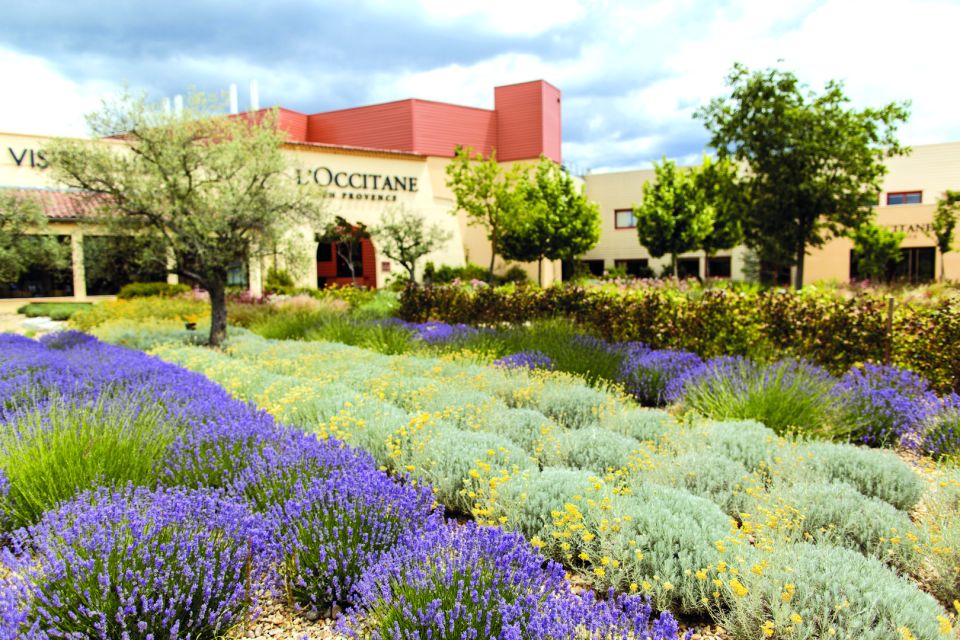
x=109, y=262
x=40, y=281
x=688, y=268
x=904, y=197
x=324, y=252
x=916, y=265
x=344, y=253
x=595, y=267
x=624, y=219
x=719, y=267
x=636, y=268
x=237, y=276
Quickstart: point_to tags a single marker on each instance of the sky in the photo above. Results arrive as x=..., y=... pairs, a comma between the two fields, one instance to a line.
x=631, y=73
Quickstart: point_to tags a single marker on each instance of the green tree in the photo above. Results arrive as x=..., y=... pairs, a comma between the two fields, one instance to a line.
x=813, y=164
x=875, y=248
x=485, y=192
x=346, y=239
x=720, y=192
x=213, y=189
x=945, y=224
x=24, y=239
x=553, y=220
x=672, y=218
x=404, y=235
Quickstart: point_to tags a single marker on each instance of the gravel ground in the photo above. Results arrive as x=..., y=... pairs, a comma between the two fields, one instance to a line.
x=278, y=622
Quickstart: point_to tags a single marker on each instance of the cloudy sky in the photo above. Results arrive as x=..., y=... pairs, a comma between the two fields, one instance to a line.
x=631, y=73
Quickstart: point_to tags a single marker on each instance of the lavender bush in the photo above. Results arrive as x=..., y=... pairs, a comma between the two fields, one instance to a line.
x=525, y=360
x=141, y=564
x=480, y=582
x=885, y=406
x=657, y=377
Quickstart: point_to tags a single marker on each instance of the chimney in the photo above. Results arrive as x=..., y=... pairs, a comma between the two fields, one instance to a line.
x=234, y=103
x=254, y=96
x=166, y=106
x=178, y=104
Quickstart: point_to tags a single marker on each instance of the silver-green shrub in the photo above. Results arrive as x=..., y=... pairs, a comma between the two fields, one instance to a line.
x=598, y=450
x=708, y=475
x=534, y=432
x=872, y=472
x=809, y=592
x=640, y=424
x=836, y=513
x=529, y=500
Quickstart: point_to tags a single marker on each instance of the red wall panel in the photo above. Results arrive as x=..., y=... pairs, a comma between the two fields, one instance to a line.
x=294, y=123
x=524, y=112
x=380, y=126
x=438, y=128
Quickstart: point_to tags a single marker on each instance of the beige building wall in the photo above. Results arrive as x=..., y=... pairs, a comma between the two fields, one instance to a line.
x=622, y=190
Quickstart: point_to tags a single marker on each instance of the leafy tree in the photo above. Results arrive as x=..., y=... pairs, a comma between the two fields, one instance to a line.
x=346, y=237
x=554, y=220
x=672, y=218
x=945, y=223
x=485, y=192
x=875, y=248
x=720, y=191
x=23, y=241
x=813, y=164
x=405, y=236
x=213, y=189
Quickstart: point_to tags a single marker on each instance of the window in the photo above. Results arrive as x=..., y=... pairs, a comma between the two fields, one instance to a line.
x=324, y=252
x=635, y=268
x=688, y=268
x=237, y=275
x=904, y=197
x=624, y=219
x=595, y=267
x=719, y=267
x=917, y=264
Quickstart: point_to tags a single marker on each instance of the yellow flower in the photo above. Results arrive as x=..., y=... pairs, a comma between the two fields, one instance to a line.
x=667, y=586
x=701, y=575
x=767, y=628
x=536, y=542
x=795, y=618
x=738, y=588
x=605, y=560
x=584, y=555
x=600, y=572
x=646, y=585
x=946, y=628
x=719, y=545
x=633, y=587
x=587, y=536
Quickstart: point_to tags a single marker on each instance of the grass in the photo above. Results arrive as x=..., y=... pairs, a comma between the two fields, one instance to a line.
x=53, y=310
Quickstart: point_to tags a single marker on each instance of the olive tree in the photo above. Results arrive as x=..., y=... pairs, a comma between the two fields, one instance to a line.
x=23, y=241
x=214, y=190
x=405, y=236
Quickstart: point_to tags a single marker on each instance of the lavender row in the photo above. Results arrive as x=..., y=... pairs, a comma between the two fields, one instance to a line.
x=238, y=507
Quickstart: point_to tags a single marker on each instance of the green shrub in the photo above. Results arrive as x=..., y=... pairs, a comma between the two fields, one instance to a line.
x=143, y=310
x=572, y=405
x=136, y=335
x=747, y=441
x=598, y=450
x=811, y=591
x=874, y=473
x=787, y=396
x=150, y=289
x=835, y=513
x=939, y=571
x=51, y=452
x=288, y=326
x=707, y=475
x=54, y=310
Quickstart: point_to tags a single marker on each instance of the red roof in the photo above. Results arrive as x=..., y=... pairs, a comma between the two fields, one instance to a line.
x=59, y=205
x=524, y=123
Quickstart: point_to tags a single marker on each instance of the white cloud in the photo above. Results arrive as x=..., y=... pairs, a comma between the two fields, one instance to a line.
x=40, y=100
x=510, y=17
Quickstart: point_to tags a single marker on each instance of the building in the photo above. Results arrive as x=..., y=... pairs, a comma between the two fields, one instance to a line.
x=366, y=158
x=910, y=190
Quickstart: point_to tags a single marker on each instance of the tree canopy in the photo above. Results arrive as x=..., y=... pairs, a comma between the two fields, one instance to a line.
x=673, y=217
x=945, y=224
x=213, y=189
x=23, y=241
x=553, y=219
x=813, y=164
x=485, y=192
x=404, y=235
x=875, y=249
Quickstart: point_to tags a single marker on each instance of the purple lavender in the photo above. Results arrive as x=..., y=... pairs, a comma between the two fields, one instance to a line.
x=886, y=406
x=481, y=582
x=136, y=563
x=434, y=332
x=526, y=360
x=657, y=377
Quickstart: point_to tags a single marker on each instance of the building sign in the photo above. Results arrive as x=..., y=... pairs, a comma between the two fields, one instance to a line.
x=357, y=185
x=26, y=157
x=925, y=228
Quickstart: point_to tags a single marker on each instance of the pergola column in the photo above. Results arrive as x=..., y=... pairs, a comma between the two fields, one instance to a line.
x=79, y=274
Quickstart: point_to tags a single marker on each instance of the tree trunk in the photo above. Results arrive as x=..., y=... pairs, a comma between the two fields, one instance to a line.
x=676, y=269
x=540, y=272
x=218, y=312
x=801, y=255
x=943, y=269
x=493, y=257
